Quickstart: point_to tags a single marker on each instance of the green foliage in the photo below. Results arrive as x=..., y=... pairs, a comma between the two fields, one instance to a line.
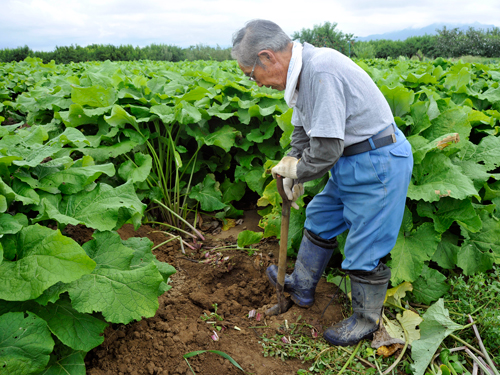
x=103, y=141
x=248, y=237
x=478, y=295
x=364, y=50
x=71, y=285
x=102, y=52
x=447, y=43
x=326, y=35
x=456, y=42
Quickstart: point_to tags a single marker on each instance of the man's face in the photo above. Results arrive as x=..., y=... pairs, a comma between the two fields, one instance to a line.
x=272, y=74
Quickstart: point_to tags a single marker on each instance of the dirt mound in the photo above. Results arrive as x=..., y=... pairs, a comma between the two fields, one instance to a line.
x=227, y=286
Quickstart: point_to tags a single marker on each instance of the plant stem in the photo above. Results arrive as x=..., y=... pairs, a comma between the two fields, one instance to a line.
x=475, y=368
x=170, y=226
x=180, y=218
x=407, y=341
x=194, y=373
x=476, y=360
x=466, y=344
x=167, y=241
x=481, y=345
x=350, y=359
x=482, y=307
x=358, y=357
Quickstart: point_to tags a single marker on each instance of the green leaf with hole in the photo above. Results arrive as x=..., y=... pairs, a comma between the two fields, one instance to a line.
x=25, y=343
x=436, y=326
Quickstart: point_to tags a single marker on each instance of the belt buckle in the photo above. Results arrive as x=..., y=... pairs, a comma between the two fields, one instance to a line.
x=393, y=138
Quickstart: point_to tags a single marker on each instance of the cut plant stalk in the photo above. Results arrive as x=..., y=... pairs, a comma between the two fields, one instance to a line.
x=483, y=349
x=182, y=219
x=479, y=363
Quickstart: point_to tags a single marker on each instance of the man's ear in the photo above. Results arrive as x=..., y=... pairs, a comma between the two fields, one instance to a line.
x=268, y=55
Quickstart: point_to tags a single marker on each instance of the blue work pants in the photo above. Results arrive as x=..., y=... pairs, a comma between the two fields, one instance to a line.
x=366, y=194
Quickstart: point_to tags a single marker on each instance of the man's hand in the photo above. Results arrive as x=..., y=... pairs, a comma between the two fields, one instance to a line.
x=287, y=167
x=293, y=191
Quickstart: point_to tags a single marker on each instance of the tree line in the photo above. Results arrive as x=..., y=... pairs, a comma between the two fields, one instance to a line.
x=101, y=52
x=448, y=43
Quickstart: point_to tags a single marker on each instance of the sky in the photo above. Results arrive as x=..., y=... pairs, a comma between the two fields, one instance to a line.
x=44, y=24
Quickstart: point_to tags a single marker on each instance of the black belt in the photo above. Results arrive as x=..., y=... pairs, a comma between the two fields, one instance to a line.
x=384, y=138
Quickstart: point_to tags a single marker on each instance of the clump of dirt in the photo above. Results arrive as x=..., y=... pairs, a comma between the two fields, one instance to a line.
x=229, y=285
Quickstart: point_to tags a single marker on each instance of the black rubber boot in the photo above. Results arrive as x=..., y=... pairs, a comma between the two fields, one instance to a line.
x=368, y=291
x=312, y=259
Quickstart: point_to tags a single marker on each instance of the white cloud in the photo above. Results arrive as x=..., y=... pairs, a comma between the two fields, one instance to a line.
x=43, y=24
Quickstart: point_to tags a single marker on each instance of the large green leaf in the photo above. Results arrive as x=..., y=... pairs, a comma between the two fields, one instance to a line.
x=121, y=287
x=421, y=146
x=103, y=208
x=25, y=344
x=137, y=170
x=77, y=115
x=74, y=329
x=143, y=256
x=454, y=120
x=447, y=210
x=486, y=153
x=30, y=150
x=44, y=257
x=430, y=286
x=224, y=137
x=446, y=255
x=436, y=326
x=111, y=290
x=104, y=153
x=480, y=250
x=457, y=79
x=399, y=99
x=208, y=194
x=71, y=363
x=119, y=118
x=75, y=178
x=95, y=96
x=10, y=224
x=232, y=191
x=412, y=249
x=436, y=176
x=186, y=113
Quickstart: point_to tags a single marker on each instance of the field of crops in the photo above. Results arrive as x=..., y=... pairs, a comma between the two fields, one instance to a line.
x=101, y=145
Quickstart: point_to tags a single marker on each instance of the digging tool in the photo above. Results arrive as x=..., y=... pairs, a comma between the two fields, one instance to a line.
x=283, y=303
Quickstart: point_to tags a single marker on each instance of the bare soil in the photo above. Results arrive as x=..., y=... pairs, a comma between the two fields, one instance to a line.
x=238, y=285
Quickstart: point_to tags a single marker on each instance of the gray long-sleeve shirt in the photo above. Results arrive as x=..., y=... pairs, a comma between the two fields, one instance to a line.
x=317, y=155
x=338, y=105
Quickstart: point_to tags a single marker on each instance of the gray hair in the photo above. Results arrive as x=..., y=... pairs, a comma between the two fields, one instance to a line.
x=258, y=35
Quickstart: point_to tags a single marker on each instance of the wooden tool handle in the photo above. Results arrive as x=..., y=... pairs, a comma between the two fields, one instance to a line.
x=285, y=223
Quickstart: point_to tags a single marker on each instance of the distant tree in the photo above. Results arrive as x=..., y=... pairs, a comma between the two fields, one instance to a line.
x=364, y=50
x=204, y=52
x=326, y=35
x=473, y=42
x=15, y=54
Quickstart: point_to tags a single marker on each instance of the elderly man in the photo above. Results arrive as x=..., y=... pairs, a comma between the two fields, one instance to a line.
x=342, y=124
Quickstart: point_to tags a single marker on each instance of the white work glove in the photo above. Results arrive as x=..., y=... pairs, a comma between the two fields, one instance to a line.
x=293, y=191
x=287, y=167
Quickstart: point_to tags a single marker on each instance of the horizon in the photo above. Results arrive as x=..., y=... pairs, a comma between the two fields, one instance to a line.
x=44, y=24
